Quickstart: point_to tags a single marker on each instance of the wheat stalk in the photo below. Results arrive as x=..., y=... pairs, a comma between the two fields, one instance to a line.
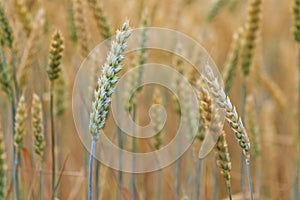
x=296, y=33
x=53, y=71
x=3, y=167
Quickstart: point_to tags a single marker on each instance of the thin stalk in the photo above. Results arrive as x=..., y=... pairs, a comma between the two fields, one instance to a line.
x=15, y=177
x=198, y=178
x=298, y=162
x=13, y=114
x=120, y=174
x=14, y=67
x=244, y=96
x=249, y=178
x=41, y=182
x=178, y=168
x=159, y=175
x=52, y=135
x=229, y=192
x=121, y=146
x=16, y=173
x=258, y=177
x=133, y=151
x=215, y=177
x=90, y=194
x=97, y=178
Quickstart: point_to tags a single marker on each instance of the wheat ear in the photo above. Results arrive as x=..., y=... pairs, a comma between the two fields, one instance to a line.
x=31, y=47
x=5, y=79
x=232, y=60
x=24, y=16
x=101, y=19
x=21, y=116
x=230, y=112
x=250, y=34
x=232, y=118
x=81, y=26
x=105, y=88
x=7, y=36
x=38, y=133
x=223, y=160
x=38, y=127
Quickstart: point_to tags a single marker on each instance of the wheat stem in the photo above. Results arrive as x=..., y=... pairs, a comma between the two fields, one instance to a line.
x=198, y=171
x=242, y=182
x=215, y=180
x=52, y=135
x=229, y=192
x=249, y=178
x=133, y=149
x=15, y=73
x=41, y=182
x=90, y=194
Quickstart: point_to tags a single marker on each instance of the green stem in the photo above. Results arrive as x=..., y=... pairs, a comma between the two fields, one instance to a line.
x=244, y=96
x=229, y=192
x=52, y=135
x=133, y=192
x=13, y=114
x=13, y=54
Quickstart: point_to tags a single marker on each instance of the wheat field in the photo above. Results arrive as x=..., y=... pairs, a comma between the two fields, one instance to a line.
x=60, y=66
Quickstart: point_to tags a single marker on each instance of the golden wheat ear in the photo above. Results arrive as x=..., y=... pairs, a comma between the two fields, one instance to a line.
x=20, y=120
x=37, y=126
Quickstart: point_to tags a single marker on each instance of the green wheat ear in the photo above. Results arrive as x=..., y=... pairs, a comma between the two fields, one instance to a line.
x=6, y=37
x=3, y=167
x=5, y=79
x=56, y=50
x=296, y=20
